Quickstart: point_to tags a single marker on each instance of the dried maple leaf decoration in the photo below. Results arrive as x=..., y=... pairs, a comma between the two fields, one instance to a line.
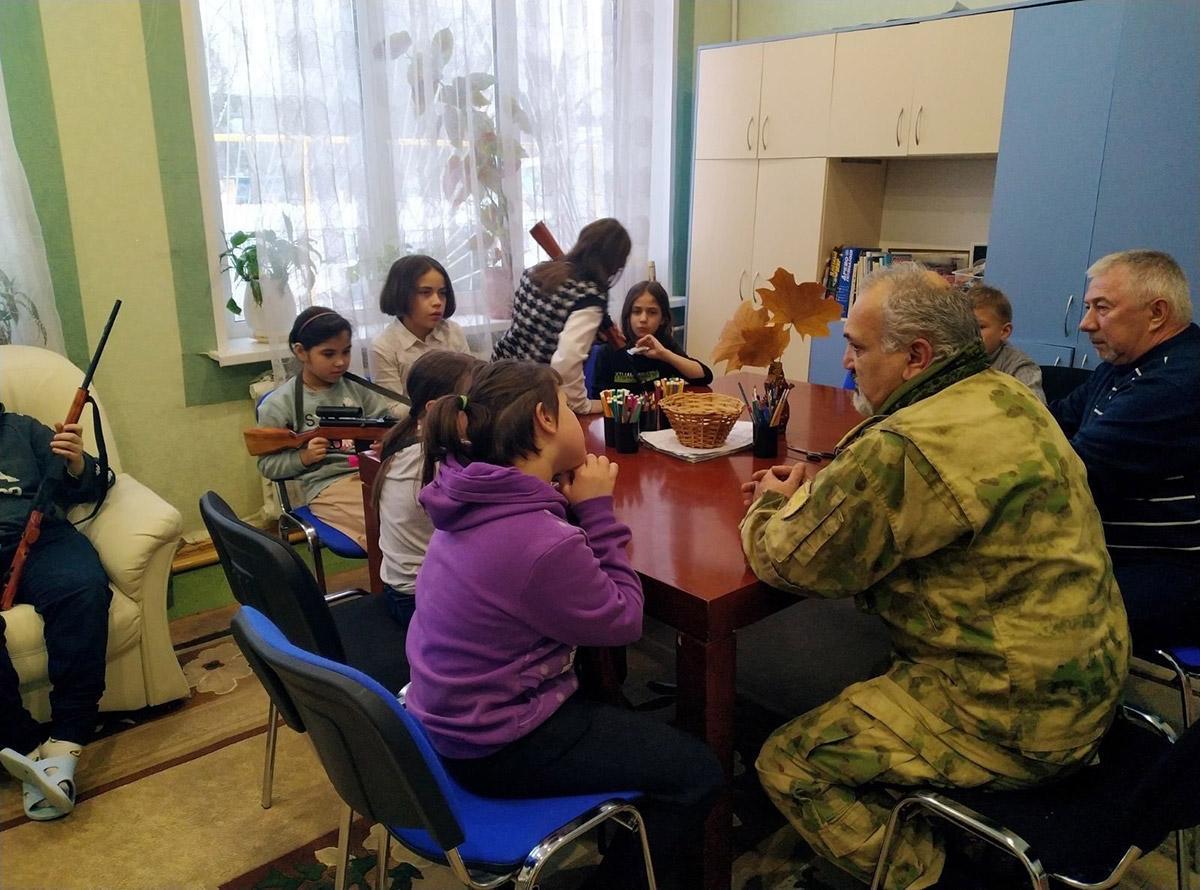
x=757, y=337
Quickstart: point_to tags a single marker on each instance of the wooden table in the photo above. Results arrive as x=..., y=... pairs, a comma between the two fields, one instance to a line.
x=686, y=549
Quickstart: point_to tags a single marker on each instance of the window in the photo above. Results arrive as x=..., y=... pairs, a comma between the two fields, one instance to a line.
x=445, y=127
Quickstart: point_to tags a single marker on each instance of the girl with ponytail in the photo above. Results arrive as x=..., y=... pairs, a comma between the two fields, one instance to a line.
x=526, y=563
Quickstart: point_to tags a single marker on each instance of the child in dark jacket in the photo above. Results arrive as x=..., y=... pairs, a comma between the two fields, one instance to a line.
x=517, y=575
x=651, y=353
x=65, y=583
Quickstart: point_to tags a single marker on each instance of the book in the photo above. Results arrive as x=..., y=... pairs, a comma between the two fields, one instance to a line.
x=846, y=276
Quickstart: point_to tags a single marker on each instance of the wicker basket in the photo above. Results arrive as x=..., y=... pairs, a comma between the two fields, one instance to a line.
x=702, y=419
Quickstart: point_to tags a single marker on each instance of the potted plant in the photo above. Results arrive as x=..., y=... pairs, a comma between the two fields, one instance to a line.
x=265, y=261
x=465, y=106
x=14, y=301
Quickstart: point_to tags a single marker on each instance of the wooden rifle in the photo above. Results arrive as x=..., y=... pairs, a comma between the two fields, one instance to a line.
x=609, y=332
x=43, y=501
x=272, y=440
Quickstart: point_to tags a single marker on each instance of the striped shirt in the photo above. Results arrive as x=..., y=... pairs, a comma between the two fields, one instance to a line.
x=1137, y=428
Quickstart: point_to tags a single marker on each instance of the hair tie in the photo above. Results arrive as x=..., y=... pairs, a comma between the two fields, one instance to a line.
x=462, y=403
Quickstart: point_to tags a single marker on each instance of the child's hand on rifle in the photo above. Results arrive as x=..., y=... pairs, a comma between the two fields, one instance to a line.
x=315, y=451
x=68, y=444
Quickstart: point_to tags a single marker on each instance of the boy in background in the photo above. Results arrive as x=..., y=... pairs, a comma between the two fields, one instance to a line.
x=994, y=314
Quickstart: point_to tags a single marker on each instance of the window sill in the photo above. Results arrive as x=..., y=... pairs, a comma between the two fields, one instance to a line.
x=241, y=351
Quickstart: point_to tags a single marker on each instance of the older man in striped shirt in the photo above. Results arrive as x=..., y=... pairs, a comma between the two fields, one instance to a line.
x=1136, y=425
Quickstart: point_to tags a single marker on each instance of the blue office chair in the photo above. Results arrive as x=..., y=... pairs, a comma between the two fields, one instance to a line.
x=382, y=765
x=1089, y=828
x=317, y=534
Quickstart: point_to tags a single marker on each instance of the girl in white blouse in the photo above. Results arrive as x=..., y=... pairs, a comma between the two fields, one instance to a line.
x=419, y=294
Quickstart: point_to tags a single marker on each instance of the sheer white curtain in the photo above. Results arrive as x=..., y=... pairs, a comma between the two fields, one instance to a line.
x=448, y=127
x=27, y=311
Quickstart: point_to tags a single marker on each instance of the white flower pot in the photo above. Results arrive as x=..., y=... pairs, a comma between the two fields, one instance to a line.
x=272, y=319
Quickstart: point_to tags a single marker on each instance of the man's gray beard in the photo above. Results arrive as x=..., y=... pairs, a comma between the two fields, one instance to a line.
x=861, y=405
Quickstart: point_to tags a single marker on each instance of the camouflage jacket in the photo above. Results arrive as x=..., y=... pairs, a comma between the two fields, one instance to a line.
x=964, y=521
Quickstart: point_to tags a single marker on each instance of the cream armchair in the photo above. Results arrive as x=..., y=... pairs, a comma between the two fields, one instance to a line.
x=135, y=533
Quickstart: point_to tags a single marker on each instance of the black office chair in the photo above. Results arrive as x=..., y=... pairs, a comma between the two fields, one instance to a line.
x=382, y=765
x=1088, y=829
x=352, y=627
x=1059, y=381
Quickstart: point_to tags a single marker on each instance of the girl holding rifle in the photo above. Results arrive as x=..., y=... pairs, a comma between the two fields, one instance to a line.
x=65, y=583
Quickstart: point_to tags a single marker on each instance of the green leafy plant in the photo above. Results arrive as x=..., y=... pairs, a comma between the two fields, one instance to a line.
x=465, y=106
x=253, y=256
x=14, y=301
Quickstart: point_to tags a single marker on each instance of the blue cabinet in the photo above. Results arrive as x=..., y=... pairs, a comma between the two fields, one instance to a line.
x=1061, y=69
x=1150, y=181
x=1098, y=153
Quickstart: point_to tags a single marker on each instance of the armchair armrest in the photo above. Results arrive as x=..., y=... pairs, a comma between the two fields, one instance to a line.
x=132, y=527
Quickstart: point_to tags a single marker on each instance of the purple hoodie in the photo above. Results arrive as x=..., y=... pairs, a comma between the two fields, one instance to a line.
x=508, y=589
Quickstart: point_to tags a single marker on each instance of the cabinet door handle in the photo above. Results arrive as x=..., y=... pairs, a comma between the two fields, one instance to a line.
x=899, y=117
x=1067, y=315
x=741, y=278
x=1057, y=360
x=766, y=120
x=920, y=111
x=1083, y=364
x=753, y=285
x=749, y=124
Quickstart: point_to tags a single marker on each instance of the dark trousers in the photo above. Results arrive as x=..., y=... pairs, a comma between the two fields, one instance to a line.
x=65, y=582
x=588, y=747
x=1162, y=600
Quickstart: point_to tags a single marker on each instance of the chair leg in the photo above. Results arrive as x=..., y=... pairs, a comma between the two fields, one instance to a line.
x=268, y=776
x=314, y=547
x=1000, y=837
x=343, y=866
x=381, y=860
x=640, y=827
x=1187, y=842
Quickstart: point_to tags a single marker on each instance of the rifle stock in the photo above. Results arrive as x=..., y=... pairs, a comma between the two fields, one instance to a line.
x=44, y=499
x=272, y=440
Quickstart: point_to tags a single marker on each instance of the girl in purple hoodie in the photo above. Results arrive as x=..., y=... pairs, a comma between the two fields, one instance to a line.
x=527, y=562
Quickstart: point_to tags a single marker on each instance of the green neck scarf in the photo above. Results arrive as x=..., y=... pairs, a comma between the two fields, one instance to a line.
x=958, y=366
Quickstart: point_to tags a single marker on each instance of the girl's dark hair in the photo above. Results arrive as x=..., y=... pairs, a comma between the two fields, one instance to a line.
x=437, y=373
x=499, y=414
x=665, y=332
x=597, y=255
x=400, y=288
x=315, y=325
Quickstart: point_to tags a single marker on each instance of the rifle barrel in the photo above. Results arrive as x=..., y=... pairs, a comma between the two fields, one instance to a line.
x=112, y=317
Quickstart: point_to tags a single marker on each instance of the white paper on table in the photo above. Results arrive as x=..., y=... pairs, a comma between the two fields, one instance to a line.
x=741, y=436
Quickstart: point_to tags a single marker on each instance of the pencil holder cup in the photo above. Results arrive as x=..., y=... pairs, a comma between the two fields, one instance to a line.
x=652, y=420
x=627, y=438
x=610, y=437
x=766, y=440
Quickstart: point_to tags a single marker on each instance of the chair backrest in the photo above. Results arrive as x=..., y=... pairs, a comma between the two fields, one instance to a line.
x=1058, y=382
x=1167, y=796
x=375, y=753
x=41, y=383
x=276, y=691
x=265, y=573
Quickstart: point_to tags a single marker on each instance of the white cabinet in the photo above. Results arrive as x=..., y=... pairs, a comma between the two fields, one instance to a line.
x=869, y=114
x=727, y=83
x=958, y=89
x=797, y=76
x=765, y=100
x=722, y=249
x=748, y=219
x=933, y=88
x=787, y=232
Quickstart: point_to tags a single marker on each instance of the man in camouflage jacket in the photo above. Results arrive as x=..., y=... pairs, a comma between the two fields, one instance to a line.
x=960, y=514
